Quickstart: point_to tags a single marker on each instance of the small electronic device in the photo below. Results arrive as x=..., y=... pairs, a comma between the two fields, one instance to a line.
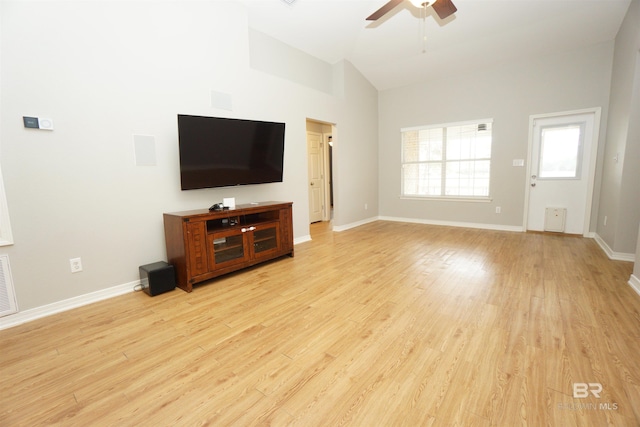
x=218, y=207
x=157, y=278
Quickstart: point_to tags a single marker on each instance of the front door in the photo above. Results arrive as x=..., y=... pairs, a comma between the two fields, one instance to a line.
x=562, y=170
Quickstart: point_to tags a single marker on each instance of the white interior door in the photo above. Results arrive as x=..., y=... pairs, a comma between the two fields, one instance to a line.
x=561, y=170
x=316, y=176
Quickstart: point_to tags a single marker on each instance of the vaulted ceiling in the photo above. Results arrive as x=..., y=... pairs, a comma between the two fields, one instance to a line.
x=404, y=47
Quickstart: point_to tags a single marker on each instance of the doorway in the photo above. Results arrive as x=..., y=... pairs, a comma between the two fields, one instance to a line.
x=320, y=170
x=561, y=171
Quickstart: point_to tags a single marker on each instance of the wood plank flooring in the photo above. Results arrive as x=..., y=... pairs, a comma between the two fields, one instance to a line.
x=387, y=324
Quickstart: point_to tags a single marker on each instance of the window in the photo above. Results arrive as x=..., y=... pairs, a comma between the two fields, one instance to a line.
x=560, y=152
x=451, y=160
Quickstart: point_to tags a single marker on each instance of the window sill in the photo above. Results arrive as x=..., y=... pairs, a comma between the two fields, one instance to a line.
x=449, y=198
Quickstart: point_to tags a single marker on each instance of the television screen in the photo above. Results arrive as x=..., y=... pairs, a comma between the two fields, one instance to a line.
x=221, y=152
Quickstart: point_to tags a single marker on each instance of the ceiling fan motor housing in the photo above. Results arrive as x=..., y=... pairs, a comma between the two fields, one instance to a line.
x=443, y=8
x=422, y=3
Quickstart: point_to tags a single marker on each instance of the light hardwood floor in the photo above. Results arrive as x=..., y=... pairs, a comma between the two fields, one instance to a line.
x=387, y=324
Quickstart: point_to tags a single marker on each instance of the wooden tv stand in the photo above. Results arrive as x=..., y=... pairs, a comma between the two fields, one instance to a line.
x=203, y=244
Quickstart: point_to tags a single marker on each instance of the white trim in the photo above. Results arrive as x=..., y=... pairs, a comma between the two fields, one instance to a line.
x=302, y=239
x=634, y=282
x=68, y=304
x=444, y=125
x=597, y=113
x=327, y=175
x=616, y=256
x=354, y=224
x=479, y=199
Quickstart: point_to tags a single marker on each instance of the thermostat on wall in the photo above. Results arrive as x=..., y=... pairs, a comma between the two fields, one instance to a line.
x=37, y=123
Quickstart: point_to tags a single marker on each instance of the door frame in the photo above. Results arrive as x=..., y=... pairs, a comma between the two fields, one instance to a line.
x=328, y=131
x=597, y=113
x=327, y=139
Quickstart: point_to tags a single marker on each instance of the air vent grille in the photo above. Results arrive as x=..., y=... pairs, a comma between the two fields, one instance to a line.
x=8, y=303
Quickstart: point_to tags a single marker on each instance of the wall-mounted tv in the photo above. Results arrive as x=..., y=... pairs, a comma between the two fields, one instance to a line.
x=222, y=152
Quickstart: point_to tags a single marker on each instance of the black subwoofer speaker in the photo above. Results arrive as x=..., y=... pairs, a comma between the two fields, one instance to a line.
x=157, y=278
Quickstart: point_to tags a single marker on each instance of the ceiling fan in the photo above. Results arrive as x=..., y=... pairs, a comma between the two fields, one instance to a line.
x=443, y=8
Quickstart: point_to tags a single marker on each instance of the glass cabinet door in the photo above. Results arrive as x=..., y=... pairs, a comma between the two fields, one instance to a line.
x=266, y=239
x=227, y=249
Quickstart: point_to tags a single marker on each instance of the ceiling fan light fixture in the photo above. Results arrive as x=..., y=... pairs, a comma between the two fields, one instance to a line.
x=422, y=3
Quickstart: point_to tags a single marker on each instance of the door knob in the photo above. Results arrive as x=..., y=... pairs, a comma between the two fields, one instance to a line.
x=534, y=176
x=533, y=184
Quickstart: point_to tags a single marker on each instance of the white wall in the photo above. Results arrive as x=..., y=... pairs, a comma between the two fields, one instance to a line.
x=620, y=201
x=355, y=164
x=104, y=71
x=507, y=92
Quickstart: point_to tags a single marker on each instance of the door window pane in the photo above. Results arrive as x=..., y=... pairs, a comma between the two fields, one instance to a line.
x=560, y=152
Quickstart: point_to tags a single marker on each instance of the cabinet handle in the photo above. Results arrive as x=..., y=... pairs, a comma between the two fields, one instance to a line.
x=251, y=228
x=244, y=230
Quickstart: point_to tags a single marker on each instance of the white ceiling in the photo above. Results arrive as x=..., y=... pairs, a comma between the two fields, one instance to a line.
x=389, y=52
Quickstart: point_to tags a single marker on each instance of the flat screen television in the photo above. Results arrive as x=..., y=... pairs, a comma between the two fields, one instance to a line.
x=222, y=152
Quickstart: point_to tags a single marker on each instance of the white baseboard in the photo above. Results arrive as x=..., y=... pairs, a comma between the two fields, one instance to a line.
x=302, y=239
x=634, y=282
x=617, y=256
x=68, y=304
x=497, y=227
x=354, y=224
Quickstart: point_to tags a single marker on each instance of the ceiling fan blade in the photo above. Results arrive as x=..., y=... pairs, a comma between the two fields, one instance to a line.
x=383, y=10
x=444, y=8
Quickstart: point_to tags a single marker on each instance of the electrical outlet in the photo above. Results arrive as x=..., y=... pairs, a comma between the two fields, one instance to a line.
x=366, y=206
x=76, y=265
x=498, y=209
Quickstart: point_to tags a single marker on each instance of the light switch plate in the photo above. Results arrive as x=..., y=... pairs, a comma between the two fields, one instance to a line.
x=37, y=123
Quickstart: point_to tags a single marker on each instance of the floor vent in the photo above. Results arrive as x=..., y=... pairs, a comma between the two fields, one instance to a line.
x=8, y=304
x=555, y=219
